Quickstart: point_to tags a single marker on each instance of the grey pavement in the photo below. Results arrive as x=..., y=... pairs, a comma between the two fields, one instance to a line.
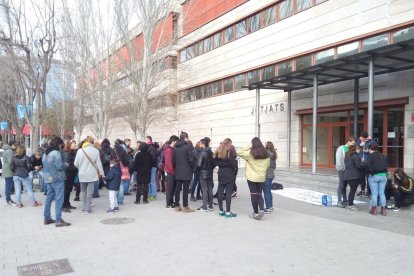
x=297, y=239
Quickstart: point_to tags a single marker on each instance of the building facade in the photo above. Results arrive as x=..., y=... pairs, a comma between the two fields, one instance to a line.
x=226, y=45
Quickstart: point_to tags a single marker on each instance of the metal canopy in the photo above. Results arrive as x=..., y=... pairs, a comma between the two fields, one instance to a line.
x=387, y=59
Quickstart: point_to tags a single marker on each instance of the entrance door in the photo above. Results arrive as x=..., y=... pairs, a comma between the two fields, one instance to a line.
x=339, y=135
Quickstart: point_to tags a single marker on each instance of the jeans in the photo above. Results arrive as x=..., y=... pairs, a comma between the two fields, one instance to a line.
x=256, y=197
x=8, y=187
x=121, y=195
x=42, y=183
x=55, y=191
x=341, y=192
x=125, y=183
x=18, y=188
x=196, y=185
x=96, y=188
x=267, y=192
x=377, y=184
x=153, y=183
x=207, y=187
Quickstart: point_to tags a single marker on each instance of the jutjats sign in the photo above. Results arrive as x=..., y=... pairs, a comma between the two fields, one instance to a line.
x=269, y=108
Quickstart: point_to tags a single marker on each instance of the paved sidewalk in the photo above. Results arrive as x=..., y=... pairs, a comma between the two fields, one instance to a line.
x=298, y=239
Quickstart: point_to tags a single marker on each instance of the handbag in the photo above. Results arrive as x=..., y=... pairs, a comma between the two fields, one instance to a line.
x=124, y=169
x=277, y=186
x=93, y=163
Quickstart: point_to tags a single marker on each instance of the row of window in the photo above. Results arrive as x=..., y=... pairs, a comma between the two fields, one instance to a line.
x=237, y=82
x=246, y=26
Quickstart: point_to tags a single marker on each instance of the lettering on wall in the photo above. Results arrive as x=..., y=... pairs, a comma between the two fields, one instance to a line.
x=269, y=108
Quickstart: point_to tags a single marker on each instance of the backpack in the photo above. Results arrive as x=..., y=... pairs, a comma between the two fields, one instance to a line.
x=161, y=160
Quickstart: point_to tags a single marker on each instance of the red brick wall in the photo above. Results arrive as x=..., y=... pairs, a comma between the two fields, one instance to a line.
x=199, y=12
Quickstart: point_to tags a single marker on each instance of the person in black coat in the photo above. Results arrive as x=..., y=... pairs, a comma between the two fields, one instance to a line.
x=71, y=171
x=183, y=162
x=353, y=172
x=205, y=165
x=113, y=182
x=107, y=154
x=142, y=165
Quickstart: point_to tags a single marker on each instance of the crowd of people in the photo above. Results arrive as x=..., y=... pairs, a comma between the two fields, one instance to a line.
x=170, y=168
x=360, y=163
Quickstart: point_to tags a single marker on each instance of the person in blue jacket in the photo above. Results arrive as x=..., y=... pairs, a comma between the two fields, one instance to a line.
x=113, y=182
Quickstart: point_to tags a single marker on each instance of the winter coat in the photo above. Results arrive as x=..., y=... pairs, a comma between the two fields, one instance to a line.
x=53, y=167
x=168, y=160
x=34, y=162
x=113, y=178
x=228, y=168
x=87, y=171
x=107, y=154
x=205, y=163
x=183, y=160
x=353, y=167
x=71, y=170
x=270, y=173
x=121, y=155
x=340, y=157
x=21, y=165
x=255, y=168
x=7, y=160
x=152, y=150
x=143, y=165
x=377, y=163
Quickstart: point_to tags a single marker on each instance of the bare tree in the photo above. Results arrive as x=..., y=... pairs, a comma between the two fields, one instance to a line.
x=143, y=54
x=28, y=37
x=10, y=96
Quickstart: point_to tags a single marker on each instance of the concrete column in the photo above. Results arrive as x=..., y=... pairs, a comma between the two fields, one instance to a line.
x=258, y=112
x=289, y=121
x=371, y=98
x=356, y=103
x=314, y=123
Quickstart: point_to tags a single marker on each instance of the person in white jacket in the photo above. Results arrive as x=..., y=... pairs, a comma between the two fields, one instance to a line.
x=88, y=162
x=340, y=167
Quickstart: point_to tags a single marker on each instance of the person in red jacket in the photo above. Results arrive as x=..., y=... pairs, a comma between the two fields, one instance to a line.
x=170, y=170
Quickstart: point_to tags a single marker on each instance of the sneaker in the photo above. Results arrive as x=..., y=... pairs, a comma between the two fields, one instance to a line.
x=92, y=204
x=146, y=201
x=168, y=206
x=271, y=209
x=76, y=199
x=193, y=199
x=111, y=211
x=222, y=213
x=201, y=209
x=19, y=205
x=128, y=194
x=352, y=208
x=66, y=210
x=340, y=205
x=62, y=223
x=390, y=206
x=199, y=198
x=345, y=203
x=35, y=204
x=230, y=215
x=261, y=214
x=8, y=204
x=72, y=207
x=396, y=209
x=254, y=216
x=116, y=209
x=137, y=202
x=152, y=198
x=48, y=221
x=87, y=212
x=81, y=211
x=267, y=211
x=210, y=208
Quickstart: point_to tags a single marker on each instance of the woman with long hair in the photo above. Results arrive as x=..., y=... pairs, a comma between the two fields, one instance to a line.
x=270, y=175
x=196, y=178
x=403, y=189
x=257, y=161
x=69, y=154
x=21, y=166
x=225, y=159
x=353, y=173
x=377, y=168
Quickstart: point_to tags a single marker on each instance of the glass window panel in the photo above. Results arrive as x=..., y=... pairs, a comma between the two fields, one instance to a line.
x=268, y=72
x=269, y=16
x=217, y=89
x=208, y=90
x=303, y=4
x=198, y=93
x=375, y=42
x=217, y=40
x=183, y=55
x=239, y=81
x=228, y=85
x=403, y=35
x=182, y=96
x=241, y=29
x=229, y=34
x=324, y=56
x=207, y=44
x=196, y=49
x=253, y=76
x=190, y=52
x=254, y=23
x=348, y=49
x=284, y=68
x=303, y=62
x=285, y=9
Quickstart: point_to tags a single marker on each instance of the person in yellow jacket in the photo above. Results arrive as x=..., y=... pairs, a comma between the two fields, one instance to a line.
x=257, y=162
